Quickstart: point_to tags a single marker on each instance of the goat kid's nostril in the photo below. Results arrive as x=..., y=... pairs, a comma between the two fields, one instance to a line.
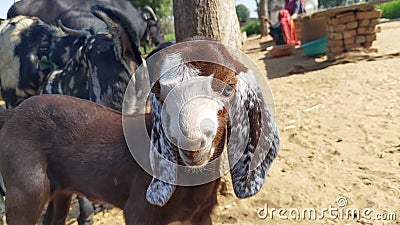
x=203, y=143
x=193, y=145
x=207, y=127
x=209, y=133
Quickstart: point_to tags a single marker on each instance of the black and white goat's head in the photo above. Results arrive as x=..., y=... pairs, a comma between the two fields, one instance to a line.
x=101, y=68
x=198, y=106
x=153, y=34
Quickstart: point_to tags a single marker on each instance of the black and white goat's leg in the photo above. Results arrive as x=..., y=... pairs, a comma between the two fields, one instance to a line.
x=86, y=211
x=2, y=202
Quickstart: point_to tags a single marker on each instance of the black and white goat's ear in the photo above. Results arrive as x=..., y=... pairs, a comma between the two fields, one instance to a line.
x=162, y=160
x=121, y=30
x=253, y=138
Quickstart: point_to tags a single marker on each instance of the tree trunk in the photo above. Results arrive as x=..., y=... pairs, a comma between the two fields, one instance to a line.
x=263, y=13
x=215, y=19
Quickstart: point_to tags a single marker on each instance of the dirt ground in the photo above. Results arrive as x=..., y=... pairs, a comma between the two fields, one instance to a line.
x=340, y=137
x=340, y=140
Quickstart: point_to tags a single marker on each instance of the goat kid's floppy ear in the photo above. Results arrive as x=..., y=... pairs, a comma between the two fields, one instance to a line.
x=253, y=138
x=162, y=160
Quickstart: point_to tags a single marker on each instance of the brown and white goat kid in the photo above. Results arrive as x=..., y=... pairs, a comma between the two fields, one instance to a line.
x=204, y=97
x=52, y=146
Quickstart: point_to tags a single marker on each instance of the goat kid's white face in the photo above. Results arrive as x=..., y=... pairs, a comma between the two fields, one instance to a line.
x=190, y=113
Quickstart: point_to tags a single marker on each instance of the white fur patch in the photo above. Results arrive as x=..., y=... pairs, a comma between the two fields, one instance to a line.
x=51, y=82
x=189, y=101
x=183, y=117
x=10, y=32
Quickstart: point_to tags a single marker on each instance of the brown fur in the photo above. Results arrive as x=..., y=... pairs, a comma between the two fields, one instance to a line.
x=52, y=146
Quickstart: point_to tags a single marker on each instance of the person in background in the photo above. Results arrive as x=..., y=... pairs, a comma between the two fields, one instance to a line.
x=288, y=28
x=283, y=32
x=295, y=7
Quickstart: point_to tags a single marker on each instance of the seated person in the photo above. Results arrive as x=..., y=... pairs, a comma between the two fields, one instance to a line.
x=283, y=32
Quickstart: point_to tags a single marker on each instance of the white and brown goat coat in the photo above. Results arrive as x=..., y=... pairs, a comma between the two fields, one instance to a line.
x=236, y=114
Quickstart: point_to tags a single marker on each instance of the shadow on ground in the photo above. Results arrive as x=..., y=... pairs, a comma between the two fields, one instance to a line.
x=296, y=63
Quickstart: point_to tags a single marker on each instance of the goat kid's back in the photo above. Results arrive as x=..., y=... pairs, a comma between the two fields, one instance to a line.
x=53, y=146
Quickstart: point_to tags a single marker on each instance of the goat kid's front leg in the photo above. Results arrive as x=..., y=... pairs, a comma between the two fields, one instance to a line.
x=142, y=215
x=58, y=209
x=24, y=205
x=200, y=219
x=197, y=220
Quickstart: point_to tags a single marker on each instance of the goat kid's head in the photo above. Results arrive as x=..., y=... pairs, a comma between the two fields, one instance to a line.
x=204, y=97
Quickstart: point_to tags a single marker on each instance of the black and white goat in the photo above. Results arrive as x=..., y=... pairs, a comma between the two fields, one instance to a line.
x=103, y=66
x=24, y=43
x=75, y=146
x=77, y=14
x=95, y=66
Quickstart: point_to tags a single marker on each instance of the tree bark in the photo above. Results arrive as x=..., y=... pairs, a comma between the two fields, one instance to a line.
x=215, y=19
x=263, y=13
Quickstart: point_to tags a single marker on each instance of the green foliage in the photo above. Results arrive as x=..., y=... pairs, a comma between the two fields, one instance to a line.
x=167, y=25
x=390, y=10
x=149, y=49
x=243, y=13
x=46, y=63
x=169, y=37
x=162, y=8
x=253, y=27
x=330, y=3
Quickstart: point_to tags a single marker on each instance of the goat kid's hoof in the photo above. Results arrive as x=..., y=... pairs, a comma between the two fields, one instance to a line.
x=85, y=222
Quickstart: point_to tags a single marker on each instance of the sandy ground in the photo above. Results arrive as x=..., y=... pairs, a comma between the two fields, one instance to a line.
x=340, y=139
x=340, y=135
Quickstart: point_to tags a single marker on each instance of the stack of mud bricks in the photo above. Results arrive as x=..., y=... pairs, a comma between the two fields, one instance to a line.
x=352, y=29
x=298, y=24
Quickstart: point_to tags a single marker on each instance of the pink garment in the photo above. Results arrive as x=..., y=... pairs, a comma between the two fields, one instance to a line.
x=288, y=28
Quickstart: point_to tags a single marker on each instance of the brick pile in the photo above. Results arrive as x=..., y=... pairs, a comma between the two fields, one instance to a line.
x=299, y=28
x=352, y=29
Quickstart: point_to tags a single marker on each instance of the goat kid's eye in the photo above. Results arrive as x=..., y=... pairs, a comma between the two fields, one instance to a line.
x=228, y=91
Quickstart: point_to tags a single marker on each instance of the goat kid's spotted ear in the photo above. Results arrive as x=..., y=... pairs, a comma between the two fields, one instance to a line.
x=159, y=192
x=162, y=160
x=253, y=138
